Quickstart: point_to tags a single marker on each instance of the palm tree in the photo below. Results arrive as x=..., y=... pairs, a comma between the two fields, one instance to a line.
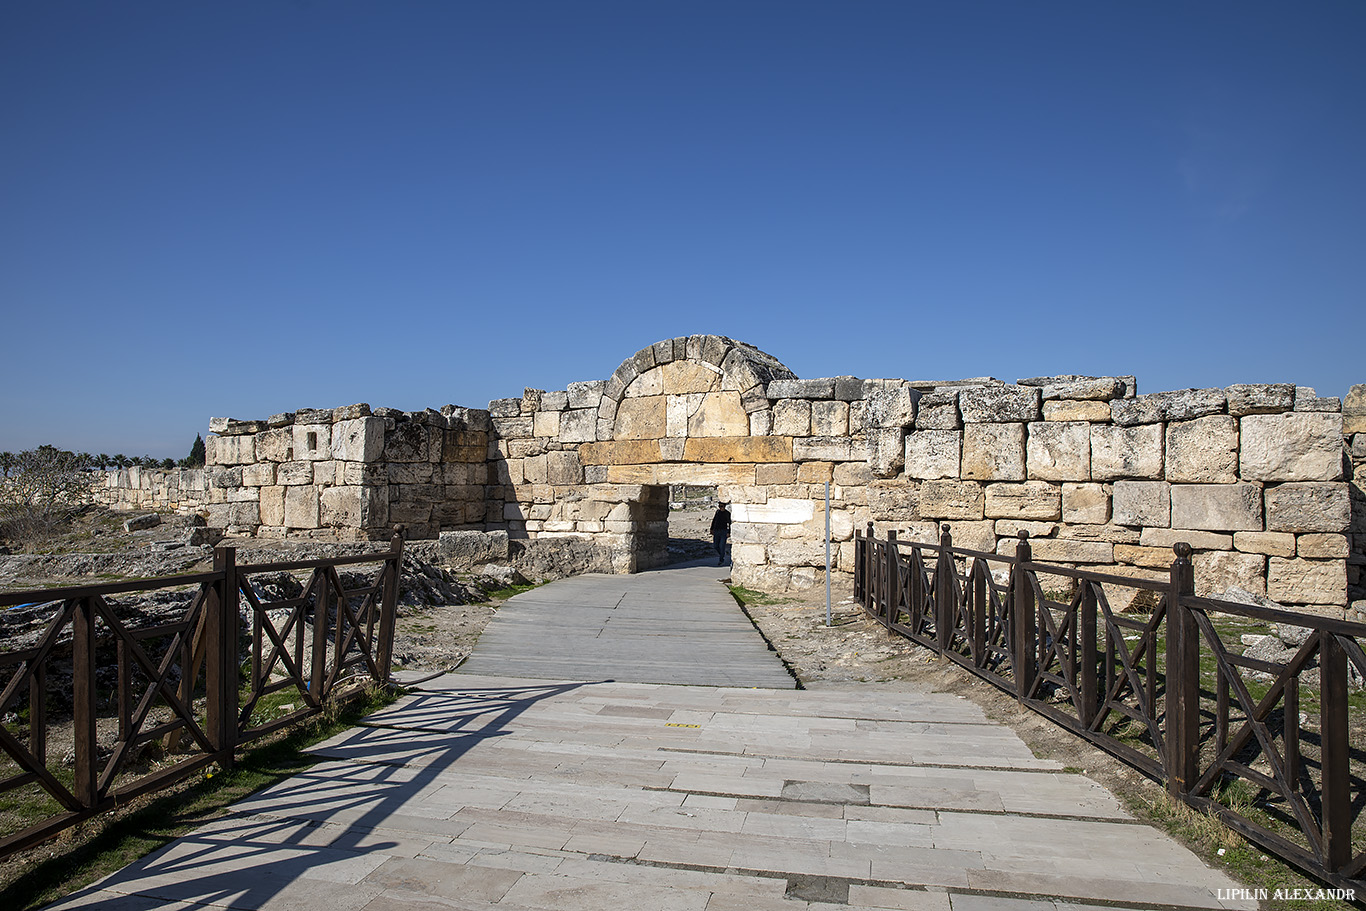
x=121, y=461
x=102, y=460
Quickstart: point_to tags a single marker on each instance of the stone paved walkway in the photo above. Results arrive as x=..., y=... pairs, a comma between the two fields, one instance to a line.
x=510, y=794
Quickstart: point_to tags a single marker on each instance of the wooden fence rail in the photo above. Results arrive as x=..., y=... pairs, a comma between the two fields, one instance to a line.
x=1273, y=748
x=149, y=705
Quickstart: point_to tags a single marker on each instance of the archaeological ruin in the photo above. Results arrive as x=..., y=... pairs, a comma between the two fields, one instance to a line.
x=1264, y=481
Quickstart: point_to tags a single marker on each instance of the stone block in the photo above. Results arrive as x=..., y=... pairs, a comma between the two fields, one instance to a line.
x=1085, y=504
x=823, y=388
x=230, y=450
x=1321, y=546
x=893, y=501
x=643, y=419
x=1259, y=398
x=848, y=389
x=1199, y=540
x=1217, y=507
x=278, y=445
x=585, y=394
x=341, y=507
x=1143, y=503
x=1011, y=528
x=777, y=511
x=889, y=404
x=886, y=451
x=294, y=474
x=978, y=536
x=822, y=449
x=829, y=419
x=1119, y=452
x=232, y=426
x=358, y=439
x=273, y=506
x=815, y=473
x=760, y=423
x=792, y=417
x=1309, y=507
x=1110, y=534
x=739, y=449
x=938, y=411
x=563, y=468
x=1064, y=550
x=1159, y=407
x=858, y=411
x=852, y=474
x=999, y=404
x=1203, y=451
x=1031, y=500
x=1296, y=446
x=1218, y=571
x=620, y=452
x=776, y=473
x=993, y=452
x=1354, y=410
x=301, y=506
x=1094, y=389
x=1059, y=451
x=650, y=382
x=1306, y=399
x=720, y=414
x=934, y=454
x=407, y=442
x=578, y=425
x=553, y=401
x=1267, y=543
x=260, y=474
x=531, y=401
x=1151, y=557
x=949, y=499
x=1301, y=581
x=546, y=424
x=1067, y=410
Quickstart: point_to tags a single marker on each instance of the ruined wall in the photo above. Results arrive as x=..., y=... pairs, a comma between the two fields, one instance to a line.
x=181, y=490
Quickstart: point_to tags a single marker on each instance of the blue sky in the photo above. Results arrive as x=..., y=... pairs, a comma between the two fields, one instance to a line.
x=246, y=208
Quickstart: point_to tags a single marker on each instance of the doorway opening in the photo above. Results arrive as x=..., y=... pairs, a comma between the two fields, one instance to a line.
x=691, y=507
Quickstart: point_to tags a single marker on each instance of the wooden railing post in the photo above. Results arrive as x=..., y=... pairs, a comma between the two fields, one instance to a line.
x=868, y=569
x=86, y=786
x=1336, y=780
x=892, y=597
x=321, y=602
x=1088, y=683
x=1023, y=622
x=388, y=610
x=858, y=566
x=944, y=572
x=1183, y=678
x=220, y=656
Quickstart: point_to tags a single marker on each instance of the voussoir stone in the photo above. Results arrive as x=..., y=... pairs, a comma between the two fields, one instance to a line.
x=993, y=452
x=1203, y=451
x=999, y=404
x=1259, y=398
x=1295, y=446
x=1304, y=506
x=1126, y=452
x=1217, y=507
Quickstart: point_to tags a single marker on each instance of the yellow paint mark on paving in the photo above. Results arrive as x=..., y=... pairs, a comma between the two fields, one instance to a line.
x=675, y=724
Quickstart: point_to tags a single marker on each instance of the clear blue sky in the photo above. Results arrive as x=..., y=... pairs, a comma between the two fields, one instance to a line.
x=245, y=208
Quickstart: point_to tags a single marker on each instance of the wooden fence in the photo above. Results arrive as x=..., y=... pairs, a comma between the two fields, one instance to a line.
x=147, y=705
x=1273, y=748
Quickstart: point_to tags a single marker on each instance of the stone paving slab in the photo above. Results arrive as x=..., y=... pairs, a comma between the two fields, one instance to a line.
x=508, y=794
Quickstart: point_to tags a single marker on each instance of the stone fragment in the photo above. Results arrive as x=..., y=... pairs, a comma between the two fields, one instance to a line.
x=1199, y=540
x=1094, y=389
x=1126, y=452
x=1059, y=451
x=233, y=427
x=1354, y=410
x=642, y=418
x=1268, y=543
x=829, y=419
x=1320, y=546
x=1157, y=407
x=999, y=404
x=1217, y=507
x=886, y=451
x=1203, y=451
x=951, y=500
x=1217, y=571
x=1085, y=504
x=283, y=419
x=1067, y=410
x=141, y=523
x=889, y=404
x=1300, y=581
x=1143, y=503
x=802, y=389
x=933, y=454
x=1031, y=500
x=937, y=411
x=1308, y=507
x=993, y=452
x=586, y=394
x=1296, y=446
x=1259, y=398
x=1306, y=399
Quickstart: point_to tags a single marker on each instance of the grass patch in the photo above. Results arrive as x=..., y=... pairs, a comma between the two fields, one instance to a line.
x=746, y=596
x=502, y=594
x=107, y=843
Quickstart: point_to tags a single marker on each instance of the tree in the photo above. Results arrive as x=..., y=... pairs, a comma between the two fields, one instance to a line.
x=168, y=464
x=102, y=461
x=121, y=461
x=6, y=463
x=45, y=489
x=197, y=453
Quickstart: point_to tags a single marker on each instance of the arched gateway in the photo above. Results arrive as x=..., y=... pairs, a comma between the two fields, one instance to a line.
x=1252, y=476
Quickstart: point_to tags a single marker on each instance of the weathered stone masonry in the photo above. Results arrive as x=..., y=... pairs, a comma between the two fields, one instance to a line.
x=1260, y=479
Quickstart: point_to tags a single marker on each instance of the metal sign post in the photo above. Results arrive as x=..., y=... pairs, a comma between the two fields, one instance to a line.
x=827, y=553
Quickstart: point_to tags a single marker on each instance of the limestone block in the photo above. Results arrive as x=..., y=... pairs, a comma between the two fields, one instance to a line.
x=1064, y=550
x=341, y=507
x=1126, y=452
x=564, y=468
x=1067, y=410
x=278, y=445
x=1320, y=546
x=993, y=452
x=823, y=388
x=585, y=394
x=1031, y=500
x=851, y=474
x=1358, y=448
x=829, y=419
x=841, y=525
x=776, y=473
x=792, y=417
x=938, y=411
x=219, y=476
x=1306, y=399
x=301, y=506
x=678, y=409
x=554, y=401
x=1259, y=398
x=546, y=423
x=886, y=451
x=531, y=401
x=822, y=449
x=1095, y=389
x=1217, y=571
x=578, y=425
x=1217, y=507
x=949, y=499
x=1011, y=528
x=1144, y=503
x=230, y=450
x=682, y=473
x=797, y=552
x=1203, y=451
x=606, y=427
x=934, y=454
x=848, y=389
x=642, y=418
x=233, y=427
x=1268, y=543
x=359, y=439
x=815, y=473
x=739, y=449
x=978, y=536
x=720, y=414
x=1308, y=507
x=293, y=474
x=1059, y=451
x=312, y=442
x=1085, y=504
x=1200, y=540
x=777, y=511
x=1158, y=407
x=1296, y=446
x=534, y=469
x=748, y=554
x=683, y=377
x=999, y=404
x=893, y=501
x=1110, y=534
x=273, y=506
x=1300, y=581
x=760, y=423
x=468, y=446
x=858, y=413
x=505, y=408
x=889, y=404
x=648, y=382
x=1151, y=557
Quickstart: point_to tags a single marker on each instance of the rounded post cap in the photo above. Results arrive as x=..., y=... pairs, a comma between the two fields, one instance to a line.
x=1182, y=550
x=1023, y=535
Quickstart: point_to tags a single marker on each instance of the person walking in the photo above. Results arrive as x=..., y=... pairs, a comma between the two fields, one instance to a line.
x=720, y=533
